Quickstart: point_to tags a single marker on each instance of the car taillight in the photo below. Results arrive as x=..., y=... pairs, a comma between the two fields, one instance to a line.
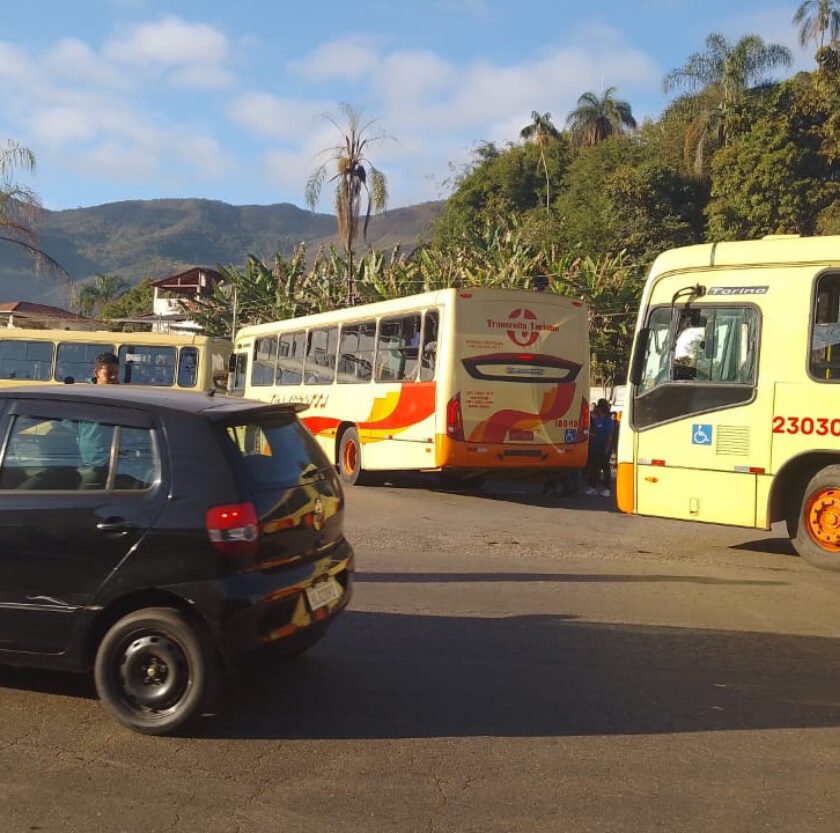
x=584, y=419
x=454, y=419
x=234, y=531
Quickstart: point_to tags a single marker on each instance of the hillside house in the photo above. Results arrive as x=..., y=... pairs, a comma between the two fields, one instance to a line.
x=173, y=295
x=43, y=317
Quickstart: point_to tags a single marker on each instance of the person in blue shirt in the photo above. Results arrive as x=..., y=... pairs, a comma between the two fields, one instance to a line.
x=598, y=468
x=94, y=438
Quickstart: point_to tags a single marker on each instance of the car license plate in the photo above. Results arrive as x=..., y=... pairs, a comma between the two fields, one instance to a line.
x=323, y=593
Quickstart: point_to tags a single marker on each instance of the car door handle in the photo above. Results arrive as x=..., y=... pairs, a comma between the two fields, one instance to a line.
x=115, y=526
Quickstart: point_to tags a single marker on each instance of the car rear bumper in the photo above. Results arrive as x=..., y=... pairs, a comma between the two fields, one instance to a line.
x=253, y=610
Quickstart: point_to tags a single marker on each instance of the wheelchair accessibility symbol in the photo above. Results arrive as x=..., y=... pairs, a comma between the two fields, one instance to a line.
x=701, y=434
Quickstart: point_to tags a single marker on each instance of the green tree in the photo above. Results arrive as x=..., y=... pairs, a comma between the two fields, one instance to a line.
x=597, y=118
x=133, y=303
x=780, y=173
x=816, y=19
x=99, y=292
x=541, y=131
x=720, y=77
x=20, y=207
x=355, y=178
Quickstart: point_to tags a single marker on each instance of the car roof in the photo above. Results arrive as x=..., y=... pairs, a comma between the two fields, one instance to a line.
x=212, y=405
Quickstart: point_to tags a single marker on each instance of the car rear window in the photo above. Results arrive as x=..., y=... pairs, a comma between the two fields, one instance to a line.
x=275, y=451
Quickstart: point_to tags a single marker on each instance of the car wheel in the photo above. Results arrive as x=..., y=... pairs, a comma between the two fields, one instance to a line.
x=350, y=459
x=155, y=671
x=817, y=537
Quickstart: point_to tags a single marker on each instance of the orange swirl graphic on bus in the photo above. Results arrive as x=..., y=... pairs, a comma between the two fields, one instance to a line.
x=528, y=368
x=390, y=414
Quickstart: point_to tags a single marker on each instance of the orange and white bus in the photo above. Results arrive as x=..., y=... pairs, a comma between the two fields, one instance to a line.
x=463, y=381
x=182, y=362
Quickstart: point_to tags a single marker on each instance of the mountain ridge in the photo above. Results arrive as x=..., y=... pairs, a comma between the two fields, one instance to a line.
x=140, y=239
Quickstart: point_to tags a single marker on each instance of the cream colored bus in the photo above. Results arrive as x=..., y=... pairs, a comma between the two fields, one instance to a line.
x=733, y=411
x=466, y=382
x=188, y=362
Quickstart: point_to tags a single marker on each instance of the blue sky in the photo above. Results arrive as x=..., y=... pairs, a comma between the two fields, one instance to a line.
x=139, y=99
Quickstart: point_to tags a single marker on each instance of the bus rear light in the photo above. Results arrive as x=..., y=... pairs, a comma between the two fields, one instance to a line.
x=657, y=462
x=454, y=419
x=234, y=531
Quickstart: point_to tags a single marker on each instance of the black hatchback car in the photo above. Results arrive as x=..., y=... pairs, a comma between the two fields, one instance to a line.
x=156, y=538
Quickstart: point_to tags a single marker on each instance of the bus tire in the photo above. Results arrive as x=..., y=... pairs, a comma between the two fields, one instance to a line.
x=350, y=458
x=817, y=537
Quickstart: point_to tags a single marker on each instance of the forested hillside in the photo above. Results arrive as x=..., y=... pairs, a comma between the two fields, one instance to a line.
x=137, y=240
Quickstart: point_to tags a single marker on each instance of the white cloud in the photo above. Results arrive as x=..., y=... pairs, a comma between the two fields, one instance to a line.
x=350, y=59
x=169, y=42
x=275, y=117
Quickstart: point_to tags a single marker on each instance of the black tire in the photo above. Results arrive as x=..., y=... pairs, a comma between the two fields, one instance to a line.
x=156, y=671
x=817, y=528
x=350, y=459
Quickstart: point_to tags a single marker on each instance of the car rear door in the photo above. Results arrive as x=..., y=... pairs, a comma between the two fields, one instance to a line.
x=68, y=514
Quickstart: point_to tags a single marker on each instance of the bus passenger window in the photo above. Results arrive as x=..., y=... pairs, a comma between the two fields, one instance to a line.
x=290, y=359
x=428, y=355
x=824, y=359
x=30, y=360
x=397, y=348
x=76, y=359
x=320, y=357
x=355, y=355
x=188, y=367
x=265, y=358
x=144, y=364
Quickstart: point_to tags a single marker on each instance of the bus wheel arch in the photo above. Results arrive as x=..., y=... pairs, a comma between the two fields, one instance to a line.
x=817, y=525
x=789, y=484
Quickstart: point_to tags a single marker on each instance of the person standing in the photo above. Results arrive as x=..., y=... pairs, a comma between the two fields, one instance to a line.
x=598, y=467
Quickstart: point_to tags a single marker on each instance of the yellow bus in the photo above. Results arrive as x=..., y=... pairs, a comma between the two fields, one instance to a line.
x=463, y=381
x=731, y=414
x=188, y=362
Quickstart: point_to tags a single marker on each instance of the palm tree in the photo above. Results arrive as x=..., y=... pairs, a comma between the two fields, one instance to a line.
x=99, y=292
x=355, y=178
x=597, y=118
x=815, y=18
x=722, y=76
x=19, y=207
x=541, y=130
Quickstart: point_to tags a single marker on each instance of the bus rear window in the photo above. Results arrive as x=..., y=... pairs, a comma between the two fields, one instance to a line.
x=29, y=360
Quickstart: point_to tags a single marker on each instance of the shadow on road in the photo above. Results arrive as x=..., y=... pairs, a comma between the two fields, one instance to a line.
x=561, y=578
x=772, y=546
x=528, y=491
x=380, y=675
x=385, y=675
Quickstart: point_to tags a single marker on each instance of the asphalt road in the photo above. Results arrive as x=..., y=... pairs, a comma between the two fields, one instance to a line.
x=510, y=662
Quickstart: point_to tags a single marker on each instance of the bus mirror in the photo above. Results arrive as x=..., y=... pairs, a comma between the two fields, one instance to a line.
x=639, y=353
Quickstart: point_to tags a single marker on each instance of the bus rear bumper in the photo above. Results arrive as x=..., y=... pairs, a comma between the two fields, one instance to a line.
x=456, y=454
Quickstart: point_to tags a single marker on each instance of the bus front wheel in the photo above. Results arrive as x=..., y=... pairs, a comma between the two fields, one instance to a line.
x=350, y=458
x=817, y=537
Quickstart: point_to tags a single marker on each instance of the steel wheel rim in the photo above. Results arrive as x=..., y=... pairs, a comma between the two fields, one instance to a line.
x=822, y=518
x=153, y=673
x=351, y=456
